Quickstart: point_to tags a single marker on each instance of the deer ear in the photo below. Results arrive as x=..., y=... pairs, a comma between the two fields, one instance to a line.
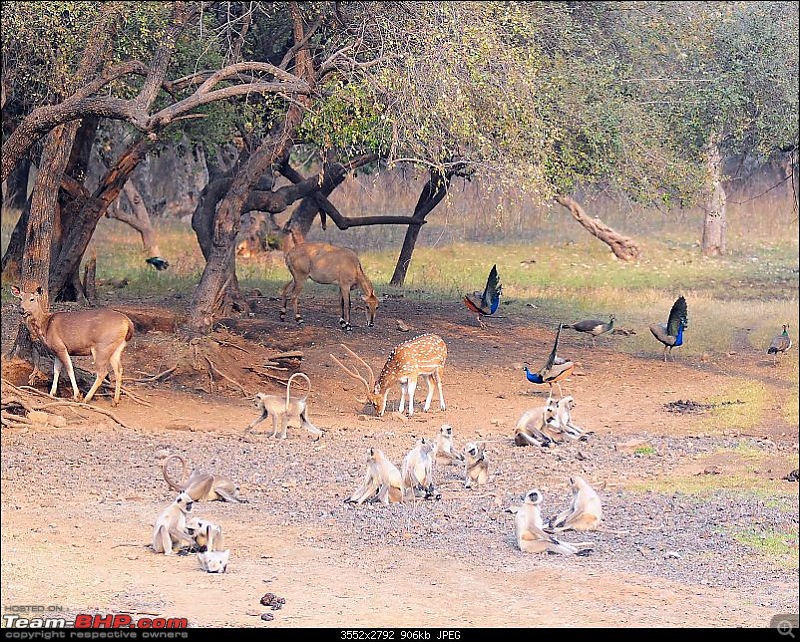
x=16, y=291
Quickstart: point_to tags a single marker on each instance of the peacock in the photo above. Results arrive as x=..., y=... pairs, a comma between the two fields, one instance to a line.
x=157, y=262
x=592, y=326
x=486, y=304
x=554, y=370
x=780, y=344
x=671, y=332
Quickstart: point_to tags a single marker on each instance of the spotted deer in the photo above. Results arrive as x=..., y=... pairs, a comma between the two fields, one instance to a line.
x=422, y=356
x=101, y=333
x=326, y=264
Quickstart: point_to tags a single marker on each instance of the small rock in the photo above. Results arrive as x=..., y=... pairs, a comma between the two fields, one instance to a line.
x=672, y=555
x=267, y=617
x=401, y=325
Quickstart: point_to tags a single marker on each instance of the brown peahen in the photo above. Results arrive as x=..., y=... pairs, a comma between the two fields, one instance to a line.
x=594, y=327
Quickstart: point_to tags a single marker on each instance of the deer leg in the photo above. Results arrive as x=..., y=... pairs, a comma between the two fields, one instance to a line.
x=345, y=297
x=102, y=371
x=427, y=405
x=285, y=296
x=403, y=389
x=438, y=378
x=56, y=374
x=412, y=386
x=116, y=365
x=65, y=359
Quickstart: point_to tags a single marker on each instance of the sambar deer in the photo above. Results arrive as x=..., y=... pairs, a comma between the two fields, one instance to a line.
x=101, y=333
x=423, y=356
x=327, y=264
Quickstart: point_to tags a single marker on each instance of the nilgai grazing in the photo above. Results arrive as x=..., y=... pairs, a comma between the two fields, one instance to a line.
x=423, y=356
x=101, y=333
x=327, y=264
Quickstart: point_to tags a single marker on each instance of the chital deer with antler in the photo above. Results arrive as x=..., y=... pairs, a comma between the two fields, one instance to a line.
x=326, y=264
x=424, y=356
x=102, y=333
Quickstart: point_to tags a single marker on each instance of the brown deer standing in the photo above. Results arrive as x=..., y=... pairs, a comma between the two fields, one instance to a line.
x=101, y=333
x=424, y=356
x=327, y=264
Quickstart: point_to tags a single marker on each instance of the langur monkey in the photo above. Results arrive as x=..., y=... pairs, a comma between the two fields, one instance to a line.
x=214, y=561
x=170, y=527
x=417, y=471
x=564, y=419
x=201, y=486
x=530, y=536
x=207, y=535
x=584, y=514
x=529, y=430
x=382, y=481
x=443, y=449
x=476, y=465
x=286, y=409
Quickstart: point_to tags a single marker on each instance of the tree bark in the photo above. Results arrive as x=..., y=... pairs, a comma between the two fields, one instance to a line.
x=623, y=247
x=715, y=221
x=77, y=239
x=218, y=292
x=15, y=194
x=432, y=194
x=138, y=218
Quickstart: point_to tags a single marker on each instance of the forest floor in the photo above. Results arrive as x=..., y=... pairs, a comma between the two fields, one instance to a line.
x=702, y=527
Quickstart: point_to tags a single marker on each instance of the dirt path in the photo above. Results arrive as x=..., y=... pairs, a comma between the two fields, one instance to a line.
x=79, y=502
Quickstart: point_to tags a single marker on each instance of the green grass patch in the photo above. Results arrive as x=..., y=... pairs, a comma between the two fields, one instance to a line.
x=755, y=399
x=644, y=451
x=782, y=547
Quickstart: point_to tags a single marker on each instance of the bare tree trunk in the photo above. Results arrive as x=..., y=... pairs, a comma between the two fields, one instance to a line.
x=81, y=231
x=623, y=247
x=15, y=194
x=12, y=259
x=218, y=292
x=138, y=218
x=432, y=194
x=715, y=221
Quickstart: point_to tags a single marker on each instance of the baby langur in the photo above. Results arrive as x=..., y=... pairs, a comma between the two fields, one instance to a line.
x=201, y=486
x=170, y=527
x=584, y=514
x=476, y=465
x=443, y=449
x=417, y=471
x=529, y=430
x=564, y=419
x=214, y=561
x=530, y=536
x=286, y=410
x=382, y=481
x=207, y=536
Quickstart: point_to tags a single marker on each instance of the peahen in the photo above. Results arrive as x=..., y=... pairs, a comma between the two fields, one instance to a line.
x=554, y=370
x=594, y=327
x=486, y=304
x=780, y=344
x=671, y=332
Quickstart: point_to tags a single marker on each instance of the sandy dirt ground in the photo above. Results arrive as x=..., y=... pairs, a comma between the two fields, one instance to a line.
x=79, y=501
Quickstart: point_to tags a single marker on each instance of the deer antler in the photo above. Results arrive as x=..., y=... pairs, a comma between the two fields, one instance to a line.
x=369, y=369
x=353, y=374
